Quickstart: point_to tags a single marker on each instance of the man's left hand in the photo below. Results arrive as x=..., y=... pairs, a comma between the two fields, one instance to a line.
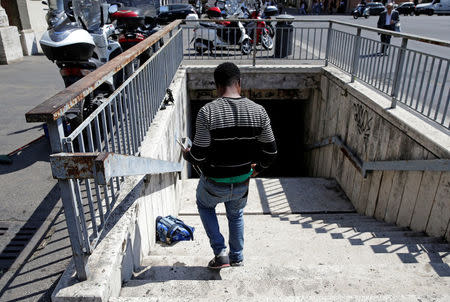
x=185, y=152
x=254, y=174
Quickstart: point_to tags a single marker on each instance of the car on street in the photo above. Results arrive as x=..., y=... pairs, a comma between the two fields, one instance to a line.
x=374, y=8
x=168, y=13
x=430, y=7
x=406, y=8
x=425, y=8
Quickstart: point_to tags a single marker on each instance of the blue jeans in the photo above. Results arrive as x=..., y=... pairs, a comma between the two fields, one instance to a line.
x=209, y=194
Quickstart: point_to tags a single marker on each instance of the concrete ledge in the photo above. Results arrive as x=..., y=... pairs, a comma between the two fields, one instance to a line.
x=130, y=230
x=28, y=41
x=10, y=47
x=260, y=82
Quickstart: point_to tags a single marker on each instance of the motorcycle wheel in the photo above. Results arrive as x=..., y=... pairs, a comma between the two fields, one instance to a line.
x=246, y=47
x=355, y=16
x=266, y=40
x=271, y=31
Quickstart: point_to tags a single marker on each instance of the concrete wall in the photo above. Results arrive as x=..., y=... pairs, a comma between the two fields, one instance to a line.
x=38, y=26
x=130, y=231
x=416, y=199
x=29, y=17
x=276, y=83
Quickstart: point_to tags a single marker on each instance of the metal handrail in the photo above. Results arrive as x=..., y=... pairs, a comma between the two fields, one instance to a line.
x=441, y=165
x=439, y=42
x=102, y=166
x=55, y=107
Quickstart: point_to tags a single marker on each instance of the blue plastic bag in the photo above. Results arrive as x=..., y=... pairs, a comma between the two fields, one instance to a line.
x=170, y=229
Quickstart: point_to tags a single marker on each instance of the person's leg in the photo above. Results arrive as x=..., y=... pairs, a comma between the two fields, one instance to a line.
x=383, y=43
x=388, y=41
x=206, y=204
x=235, y=216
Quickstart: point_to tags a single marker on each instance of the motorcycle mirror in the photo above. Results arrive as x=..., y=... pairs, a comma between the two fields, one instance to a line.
x=113, y=9
x=44, y=2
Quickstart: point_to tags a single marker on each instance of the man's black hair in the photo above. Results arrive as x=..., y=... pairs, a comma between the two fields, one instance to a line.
x=226, y=74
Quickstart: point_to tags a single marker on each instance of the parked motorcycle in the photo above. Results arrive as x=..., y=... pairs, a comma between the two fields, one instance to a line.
x=79, y=42
x=133, y=27
x=360, y=11
x=220, y=34
x=263, y=36
x=270, y=11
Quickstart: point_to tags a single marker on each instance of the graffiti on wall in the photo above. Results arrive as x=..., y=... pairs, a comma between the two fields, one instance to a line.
x=363, y=122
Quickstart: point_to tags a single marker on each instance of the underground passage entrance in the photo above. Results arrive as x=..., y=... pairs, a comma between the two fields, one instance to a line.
x=286, y=118
x=285, y=93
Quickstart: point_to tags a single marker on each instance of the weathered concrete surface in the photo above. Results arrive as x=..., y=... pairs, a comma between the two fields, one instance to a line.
x=271, y=232
x=265, y=82
x=304, y=298
x=314, y=263
x=10, y=47
x=129, y=233
x=281, y=195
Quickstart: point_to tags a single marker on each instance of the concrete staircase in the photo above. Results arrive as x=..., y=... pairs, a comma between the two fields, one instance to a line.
x=304, y=242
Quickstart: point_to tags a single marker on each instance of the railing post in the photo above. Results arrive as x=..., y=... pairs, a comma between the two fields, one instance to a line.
x=254, y=45
x=356, y=50
x=79, y=254
x=398, y=72
x=56, y=135
x=327, y=51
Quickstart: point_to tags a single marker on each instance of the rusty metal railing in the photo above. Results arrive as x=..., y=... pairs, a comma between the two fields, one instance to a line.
x=118, y=126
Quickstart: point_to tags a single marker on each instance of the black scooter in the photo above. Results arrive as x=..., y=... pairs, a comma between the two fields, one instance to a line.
x=360, y=11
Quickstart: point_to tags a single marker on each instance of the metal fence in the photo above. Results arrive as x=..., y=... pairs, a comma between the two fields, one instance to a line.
x=416, y=79
x=301, y=43
x=118, y=125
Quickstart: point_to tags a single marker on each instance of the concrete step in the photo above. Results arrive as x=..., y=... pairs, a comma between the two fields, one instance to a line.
x=380, y=237
x=281, y=195
x=331, y=280
x=317, y=251
x=303, y=298
x=159, y=269
x=266, y=224
x=274, y=238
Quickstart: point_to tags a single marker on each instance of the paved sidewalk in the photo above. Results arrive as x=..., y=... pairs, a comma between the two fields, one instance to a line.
x=29, y=196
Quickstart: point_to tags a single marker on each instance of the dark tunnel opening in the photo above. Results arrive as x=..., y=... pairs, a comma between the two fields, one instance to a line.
x=288, y=126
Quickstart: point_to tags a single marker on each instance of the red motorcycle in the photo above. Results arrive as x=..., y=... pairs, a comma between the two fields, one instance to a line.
x=263, y=33
x=134, y=27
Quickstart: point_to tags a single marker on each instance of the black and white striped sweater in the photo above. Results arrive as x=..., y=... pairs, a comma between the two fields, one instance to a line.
x=231, y=134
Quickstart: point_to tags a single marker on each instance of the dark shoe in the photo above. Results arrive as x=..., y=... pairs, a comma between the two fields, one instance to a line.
x=219, y=262
x=237, y=263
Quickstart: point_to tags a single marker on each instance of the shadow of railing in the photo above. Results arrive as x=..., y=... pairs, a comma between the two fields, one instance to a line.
x=358, y=230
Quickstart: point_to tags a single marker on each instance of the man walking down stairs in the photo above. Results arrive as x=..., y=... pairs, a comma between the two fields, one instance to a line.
x=233, y=141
